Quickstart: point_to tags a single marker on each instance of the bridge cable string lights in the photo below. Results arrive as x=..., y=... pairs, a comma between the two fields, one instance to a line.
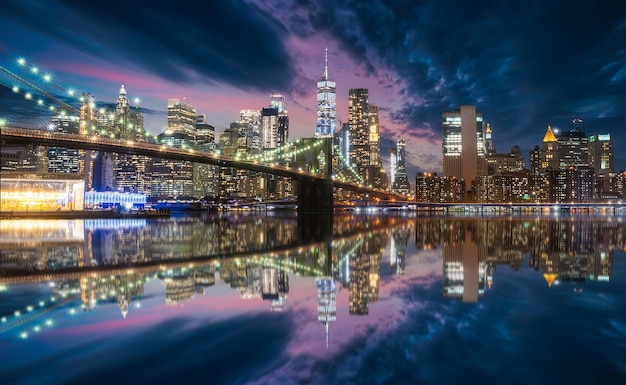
x=347, y=167
x=48, y=79
x=281, y=154
x=44, y=76
x=32, y=312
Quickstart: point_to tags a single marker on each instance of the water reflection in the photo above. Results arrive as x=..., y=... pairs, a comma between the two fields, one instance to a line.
x=570, y=250
x=310, y=293
x=86, y=263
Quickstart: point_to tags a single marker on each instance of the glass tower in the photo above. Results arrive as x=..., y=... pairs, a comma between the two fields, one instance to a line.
x=326, y=109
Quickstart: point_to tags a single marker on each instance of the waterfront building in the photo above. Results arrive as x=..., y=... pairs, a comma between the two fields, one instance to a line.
x=41, y=192
x=463, y=146
x=431, y=188
x=555, y=186
x=503, y=188
x=580, y=184
x=326, y=105
x=106, y=199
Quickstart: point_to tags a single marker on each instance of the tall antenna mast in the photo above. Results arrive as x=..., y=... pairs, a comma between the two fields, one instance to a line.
x=326, y=63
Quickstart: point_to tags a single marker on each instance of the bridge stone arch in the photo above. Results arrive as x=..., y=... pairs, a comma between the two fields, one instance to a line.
x=315, y=195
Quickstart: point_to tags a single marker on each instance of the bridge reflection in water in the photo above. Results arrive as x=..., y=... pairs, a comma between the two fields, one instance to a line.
x=86, y=262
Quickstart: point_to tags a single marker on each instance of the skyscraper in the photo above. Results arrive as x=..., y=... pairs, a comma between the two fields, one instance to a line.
x=393, y=163
x=205, y=176
x=282, y=128
x=132, y=172
x=358, y=106
x=253, y=119
x=374, y=136
x=401, y=182
x=550, y=156
x=573, y=146
x=463, y=146
x=326, y=106
x=490, y=147
x=174, y=178
x=181, y=116
x=601, y=156
x=269, y=128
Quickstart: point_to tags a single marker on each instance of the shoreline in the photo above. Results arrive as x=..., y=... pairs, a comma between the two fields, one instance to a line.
x=83, y=214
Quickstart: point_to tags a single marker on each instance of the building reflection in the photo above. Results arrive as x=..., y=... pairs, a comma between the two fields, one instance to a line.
x=569, y=250
x=87, y=264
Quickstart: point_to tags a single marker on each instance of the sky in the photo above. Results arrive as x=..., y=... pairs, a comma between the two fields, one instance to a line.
x=525, y=65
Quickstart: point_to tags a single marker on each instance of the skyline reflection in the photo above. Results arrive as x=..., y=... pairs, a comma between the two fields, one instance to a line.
x=84, y=264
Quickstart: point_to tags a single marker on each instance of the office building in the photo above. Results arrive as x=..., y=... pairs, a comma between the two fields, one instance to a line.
x=573, y=146
x=400, y=181
x=174, y=178
x=505, y=163
x=463, y=146
x=358, y=107
x=205, y=175
x=429, y=187
x=132, y=172
x=253, y=119
x=61, y=159
x=601, y=156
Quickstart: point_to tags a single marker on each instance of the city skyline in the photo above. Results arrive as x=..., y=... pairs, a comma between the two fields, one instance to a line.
x=552, y=63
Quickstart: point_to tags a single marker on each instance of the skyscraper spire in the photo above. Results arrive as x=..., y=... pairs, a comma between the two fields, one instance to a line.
x=325, y=77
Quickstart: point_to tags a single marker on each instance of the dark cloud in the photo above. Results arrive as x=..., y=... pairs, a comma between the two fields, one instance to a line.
x=524, y=64
x=186, y=41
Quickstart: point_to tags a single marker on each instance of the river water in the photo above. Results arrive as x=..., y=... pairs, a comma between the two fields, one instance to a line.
x=277, y=299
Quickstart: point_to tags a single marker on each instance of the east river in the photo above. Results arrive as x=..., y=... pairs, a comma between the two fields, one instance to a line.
x=277, y=299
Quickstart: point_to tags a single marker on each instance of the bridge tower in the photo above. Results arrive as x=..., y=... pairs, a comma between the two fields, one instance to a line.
x=315, y=195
